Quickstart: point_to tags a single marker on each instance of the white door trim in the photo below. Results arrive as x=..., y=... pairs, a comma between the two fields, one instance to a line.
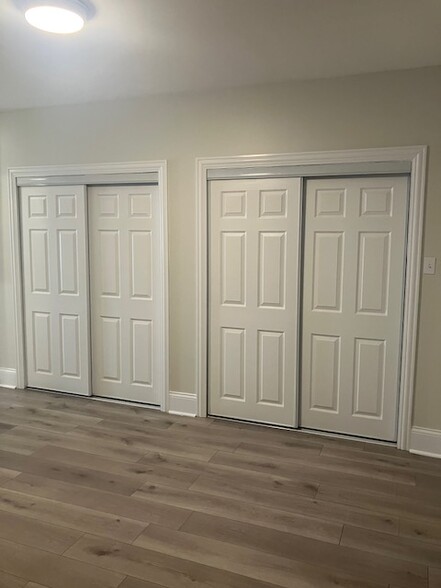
x=80, y=171
x=416, y=156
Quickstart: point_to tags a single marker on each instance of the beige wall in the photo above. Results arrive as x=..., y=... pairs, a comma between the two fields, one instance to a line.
x=379, y=110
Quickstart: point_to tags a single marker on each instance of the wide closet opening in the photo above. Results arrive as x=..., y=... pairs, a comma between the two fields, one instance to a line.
x=92, y=258
x=306, y=287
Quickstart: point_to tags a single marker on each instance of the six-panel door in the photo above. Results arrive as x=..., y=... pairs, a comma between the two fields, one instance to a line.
x=124, y=257
x=253, y=268
x=353, y=287
x=55, y=283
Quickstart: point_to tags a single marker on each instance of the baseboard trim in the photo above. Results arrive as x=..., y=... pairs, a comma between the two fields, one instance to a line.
x=182, y=403
x=8, y=378
x=425, y=442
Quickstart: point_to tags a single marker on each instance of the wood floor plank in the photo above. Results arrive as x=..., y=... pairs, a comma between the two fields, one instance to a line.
x=36, y=413
x=394, y=505
x=228, y=487
x=8, y=581
x=435, y=577
x=124, y=416
x=168, y=476
x=128, y=507
x=97, y=447
x=43, y=535
x=249, y=477
x=4, y=427
x=72, y=474
x=353, y=562
x=253, y=434
x=283, y=438
x=48, y=424
x=147, y=442
x=304, y=470
x=243, y=511
x=115, y=411
x=135, y=583
x=171, y=549
x=17, y=444
x=296, y=453
x=159, y=568
x=8, y=473
x=401, y=547
x=82, y=519
x=194, y=436
x=52, y=570
x=421, y=530
x=381, y=459
x=392, y=473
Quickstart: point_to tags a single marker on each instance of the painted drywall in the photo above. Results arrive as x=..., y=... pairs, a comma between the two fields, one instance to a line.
x=377, y=110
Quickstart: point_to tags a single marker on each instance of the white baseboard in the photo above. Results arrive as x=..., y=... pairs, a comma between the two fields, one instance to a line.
x=8, y=378
x=182, y=403
x=425, y=442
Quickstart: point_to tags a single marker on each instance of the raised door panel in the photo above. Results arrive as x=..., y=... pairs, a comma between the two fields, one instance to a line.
x=330, y=202
x=327, y=271
x=273, y=203
x=272, y=269
x=111, y=348
x=233, y=364
x=142, y=352
x=233, y=267
x=110, y=273
x=271, y=367
x=141, y=264
x=68, y=261
x=70, y=345
x=369, y=378
x=324, y=373
x=66, y=205
x=39, y=260
x=140, y=204
x=41, y=342
x=373, y=272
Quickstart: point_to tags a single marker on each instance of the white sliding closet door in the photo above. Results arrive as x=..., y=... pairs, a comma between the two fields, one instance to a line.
x=53, y=222
x=253, y=279
x=124, y=251
x=354, y=266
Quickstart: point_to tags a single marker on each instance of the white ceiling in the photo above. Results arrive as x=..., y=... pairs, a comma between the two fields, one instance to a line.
x=137, y=47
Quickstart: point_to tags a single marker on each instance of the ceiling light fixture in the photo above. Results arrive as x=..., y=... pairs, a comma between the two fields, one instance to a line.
x=58, y=16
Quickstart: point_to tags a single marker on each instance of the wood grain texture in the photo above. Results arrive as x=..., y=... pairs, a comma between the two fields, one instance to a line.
x=435, y=577
x=102, y=495
x=8, y=581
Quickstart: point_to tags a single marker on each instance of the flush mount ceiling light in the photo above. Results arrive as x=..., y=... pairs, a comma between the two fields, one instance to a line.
x=57, y=16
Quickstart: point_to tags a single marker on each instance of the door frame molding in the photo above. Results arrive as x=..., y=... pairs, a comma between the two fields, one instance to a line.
x=416, y=157
x=80, y=171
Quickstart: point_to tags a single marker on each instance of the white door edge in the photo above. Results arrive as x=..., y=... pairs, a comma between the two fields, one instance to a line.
x=417, y=158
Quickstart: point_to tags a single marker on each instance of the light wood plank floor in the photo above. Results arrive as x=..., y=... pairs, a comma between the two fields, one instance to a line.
x=99, y=495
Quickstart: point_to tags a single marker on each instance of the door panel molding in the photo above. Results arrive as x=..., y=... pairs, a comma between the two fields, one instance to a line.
x=89, y=174
x=415, y=158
